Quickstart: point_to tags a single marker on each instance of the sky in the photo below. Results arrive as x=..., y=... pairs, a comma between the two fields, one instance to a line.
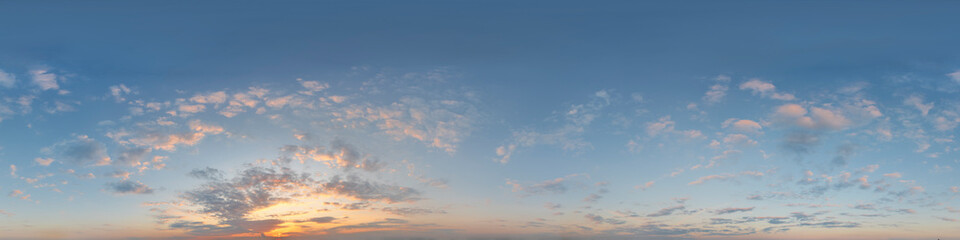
x=479, y=120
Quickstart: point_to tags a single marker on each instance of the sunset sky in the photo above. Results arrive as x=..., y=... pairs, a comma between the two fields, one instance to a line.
x=479, y=120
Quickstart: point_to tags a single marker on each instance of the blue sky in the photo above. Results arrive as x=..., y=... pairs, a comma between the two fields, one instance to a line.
x=479, y=119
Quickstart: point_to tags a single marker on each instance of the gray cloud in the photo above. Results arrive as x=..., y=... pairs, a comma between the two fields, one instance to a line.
x=129, y=187
x=599, y=219
x=82, y=151
x=667, y=211
x=227, y=228
x=407, y=211
x=357, y=188
x=131, y=156
x=207, y=173
x=253, y=189
x=733, y=210
x=800, y=142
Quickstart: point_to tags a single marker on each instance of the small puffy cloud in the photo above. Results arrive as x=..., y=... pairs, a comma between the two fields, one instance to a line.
x=119, y=92
x=819, y=118
x=743, y=125
x=43, y=161
x=129, y=187
x=765, y=89
x=917, y=102
x=7, y=80
x=44, y=79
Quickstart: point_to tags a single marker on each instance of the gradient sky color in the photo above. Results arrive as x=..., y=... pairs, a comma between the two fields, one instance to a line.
x=479, y=119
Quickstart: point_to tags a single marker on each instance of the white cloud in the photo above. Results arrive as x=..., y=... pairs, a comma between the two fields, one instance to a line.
x=214, y=97
x=119, y=91
x=7, y=80
x=917, y=102
x=955, y=76
x=765, y=89
x=717, y=91
x=662, y=125
x=743, y=125
x=43, y=161
x=44, y=79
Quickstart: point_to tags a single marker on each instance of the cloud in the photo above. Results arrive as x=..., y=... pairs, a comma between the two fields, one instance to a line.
x=955, y=76
x=214, y=98
x=800, y=142
x=739, y=140
x=819, y=118
x=119, y=92
x=408, y=211
x=43, y=161
x=663, y=125
x=439, y=123
x=132, y=156
x=844, y=152
x=917, y=102
x=253, y=189
x=765, y=89
x=733, y=210
x=645, y=186
x=44, y=79
x=568, y=136
x=312, y=86
x=701, y=180
x=322, y=219
x=716, y=93
x=157, y=139
x=227, y=227
x=7, y=80
x=13, y=170
x=743, y=125
x=82, y=151
x=341, y=155
x=192, y=108
x=596, y=219
x=208, y=173
x=360, y=189
x=129, y=187
x=667, y=211
x=552, y=186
